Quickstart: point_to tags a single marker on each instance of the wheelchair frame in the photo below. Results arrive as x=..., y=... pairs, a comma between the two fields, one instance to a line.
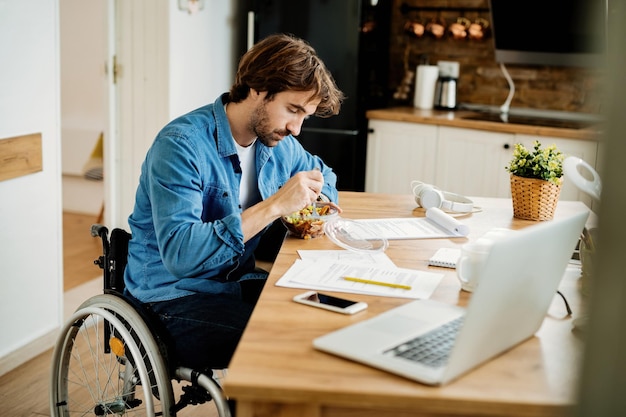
x=112, y=357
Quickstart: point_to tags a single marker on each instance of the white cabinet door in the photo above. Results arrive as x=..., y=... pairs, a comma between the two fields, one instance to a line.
x=585, y=149
x=397, y=153
x=472, y=162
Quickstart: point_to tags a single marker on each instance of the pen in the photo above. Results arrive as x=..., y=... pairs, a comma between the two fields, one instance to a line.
x=384, y=284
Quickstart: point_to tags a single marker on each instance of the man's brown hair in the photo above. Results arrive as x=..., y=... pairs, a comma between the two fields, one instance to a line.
x=283, y=62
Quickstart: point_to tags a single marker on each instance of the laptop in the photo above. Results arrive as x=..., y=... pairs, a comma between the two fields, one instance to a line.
x=518, y=283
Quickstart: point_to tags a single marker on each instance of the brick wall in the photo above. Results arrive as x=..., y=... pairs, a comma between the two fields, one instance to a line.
x=481, y=80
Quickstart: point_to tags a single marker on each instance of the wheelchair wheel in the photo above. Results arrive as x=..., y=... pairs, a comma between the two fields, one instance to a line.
x=122, y=375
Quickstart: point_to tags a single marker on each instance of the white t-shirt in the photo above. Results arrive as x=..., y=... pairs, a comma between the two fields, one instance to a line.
x=248, y=188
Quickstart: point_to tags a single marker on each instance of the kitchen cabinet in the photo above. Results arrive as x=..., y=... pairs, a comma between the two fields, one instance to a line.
x=465, y=161
x=471, y=162
x=398, y=153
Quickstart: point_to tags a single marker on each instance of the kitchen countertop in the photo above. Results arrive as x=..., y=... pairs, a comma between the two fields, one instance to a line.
x=522, y=124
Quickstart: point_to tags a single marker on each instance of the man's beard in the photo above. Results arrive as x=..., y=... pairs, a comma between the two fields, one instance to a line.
x=260, y=125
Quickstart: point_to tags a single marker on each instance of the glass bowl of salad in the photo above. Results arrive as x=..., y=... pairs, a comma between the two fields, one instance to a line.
x=308, y=223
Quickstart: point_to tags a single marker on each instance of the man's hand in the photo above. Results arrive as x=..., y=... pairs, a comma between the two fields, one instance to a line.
x=301, y=190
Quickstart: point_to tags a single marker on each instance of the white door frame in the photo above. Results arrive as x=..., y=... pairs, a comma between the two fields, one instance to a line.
x=137, y=97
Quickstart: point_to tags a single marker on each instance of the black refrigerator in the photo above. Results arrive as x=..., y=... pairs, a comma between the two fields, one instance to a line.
x=352, y=38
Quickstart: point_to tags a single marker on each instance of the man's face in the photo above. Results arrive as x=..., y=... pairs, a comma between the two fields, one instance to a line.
x=272, y=120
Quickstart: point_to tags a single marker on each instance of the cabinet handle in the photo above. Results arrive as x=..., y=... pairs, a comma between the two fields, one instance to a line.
x=506, y=146
x=370, y=130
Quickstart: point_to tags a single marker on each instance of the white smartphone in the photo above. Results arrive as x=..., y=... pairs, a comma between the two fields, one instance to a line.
x=329, y=302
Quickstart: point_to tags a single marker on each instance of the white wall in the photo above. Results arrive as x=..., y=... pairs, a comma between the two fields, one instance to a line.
x=186, y=61
x=30, y=206
x=206, y=37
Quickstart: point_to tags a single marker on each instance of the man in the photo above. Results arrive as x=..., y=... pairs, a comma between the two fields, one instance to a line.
x=212, y=182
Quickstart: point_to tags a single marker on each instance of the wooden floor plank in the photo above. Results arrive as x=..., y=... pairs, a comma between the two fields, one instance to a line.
x=79, y=250
x=24, y=391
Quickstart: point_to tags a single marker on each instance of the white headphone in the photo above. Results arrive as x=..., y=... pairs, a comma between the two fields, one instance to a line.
x=428, y=196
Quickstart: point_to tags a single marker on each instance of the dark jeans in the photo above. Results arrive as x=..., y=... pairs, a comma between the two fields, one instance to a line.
x=205, y=328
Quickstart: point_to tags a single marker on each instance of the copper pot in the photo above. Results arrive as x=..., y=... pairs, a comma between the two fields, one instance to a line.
x=478, y=29
x=437, y=28
x=414, y=28
x=458, y=29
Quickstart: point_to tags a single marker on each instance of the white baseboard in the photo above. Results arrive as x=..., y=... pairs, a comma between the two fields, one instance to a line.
x=24, y=354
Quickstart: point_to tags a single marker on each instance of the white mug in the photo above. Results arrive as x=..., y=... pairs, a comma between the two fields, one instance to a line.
x=473, y=257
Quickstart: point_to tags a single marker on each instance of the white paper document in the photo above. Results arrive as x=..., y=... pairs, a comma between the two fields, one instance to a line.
x=436, y=224
x=345, y=256
x=328, y=275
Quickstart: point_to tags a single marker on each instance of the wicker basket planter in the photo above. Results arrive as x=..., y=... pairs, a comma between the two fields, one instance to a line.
x=534, y=199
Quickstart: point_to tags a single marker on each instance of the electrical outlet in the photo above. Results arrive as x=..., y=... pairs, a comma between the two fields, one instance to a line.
x=448, y=69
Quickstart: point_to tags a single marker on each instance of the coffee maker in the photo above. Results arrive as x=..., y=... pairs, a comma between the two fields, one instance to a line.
x=445, y=88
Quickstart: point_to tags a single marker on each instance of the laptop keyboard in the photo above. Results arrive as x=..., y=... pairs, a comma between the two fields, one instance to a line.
x=432, y=348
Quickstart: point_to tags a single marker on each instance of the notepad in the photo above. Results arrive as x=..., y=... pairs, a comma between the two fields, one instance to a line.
x=445, y=257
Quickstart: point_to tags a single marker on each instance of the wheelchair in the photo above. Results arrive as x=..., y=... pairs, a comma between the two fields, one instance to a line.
x=113, y=357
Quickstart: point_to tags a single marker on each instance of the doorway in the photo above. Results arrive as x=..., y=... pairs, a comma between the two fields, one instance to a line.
x=84, y=117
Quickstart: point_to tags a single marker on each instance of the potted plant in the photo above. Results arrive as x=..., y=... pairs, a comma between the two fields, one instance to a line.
x=536, y=178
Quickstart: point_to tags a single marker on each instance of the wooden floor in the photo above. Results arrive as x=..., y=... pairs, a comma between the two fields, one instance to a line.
x=24, y=391
x=80, y=249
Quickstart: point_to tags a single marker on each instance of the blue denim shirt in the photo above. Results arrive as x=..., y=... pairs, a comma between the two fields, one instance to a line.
x=186, y=223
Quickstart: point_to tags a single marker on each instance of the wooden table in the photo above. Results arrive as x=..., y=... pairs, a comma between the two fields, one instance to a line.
x=276, y=371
